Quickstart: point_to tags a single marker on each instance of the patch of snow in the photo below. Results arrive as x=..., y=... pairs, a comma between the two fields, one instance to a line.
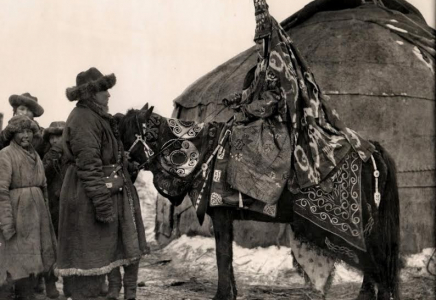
x=396, y=28
x=419, y=260
x=418, y=54
x=400, y=42
x=147, y=197
x=393, y=21
x=416, y=265
x=260, y=265
x=345, y=273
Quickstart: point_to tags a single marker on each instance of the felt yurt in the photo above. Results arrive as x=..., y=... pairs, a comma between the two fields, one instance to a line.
x=375, y=60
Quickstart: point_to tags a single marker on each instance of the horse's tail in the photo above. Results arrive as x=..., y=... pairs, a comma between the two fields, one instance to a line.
x=389, y=220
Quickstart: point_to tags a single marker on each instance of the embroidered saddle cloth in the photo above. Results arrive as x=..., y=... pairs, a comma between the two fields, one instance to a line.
x=334, y=206
x=260, y=159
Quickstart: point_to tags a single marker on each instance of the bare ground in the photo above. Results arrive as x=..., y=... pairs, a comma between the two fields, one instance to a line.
x=161, y=279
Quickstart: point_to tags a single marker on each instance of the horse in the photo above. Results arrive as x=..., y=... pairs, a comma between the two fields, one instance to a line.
x=379, y=262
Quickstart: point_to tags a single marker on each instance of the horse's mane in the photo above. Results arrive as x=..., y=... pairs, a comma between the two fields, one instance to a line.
x=127, y=121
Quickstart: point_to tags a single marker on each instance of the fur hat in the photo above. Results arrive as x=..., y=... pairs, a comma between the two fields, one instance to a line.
x=29, y=101
x=19, y=123
x=55, y=128
x=89, y=83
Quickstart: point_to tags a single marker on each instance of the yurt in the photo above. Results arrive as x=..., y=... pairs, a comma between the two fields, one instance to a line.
x=376, y=62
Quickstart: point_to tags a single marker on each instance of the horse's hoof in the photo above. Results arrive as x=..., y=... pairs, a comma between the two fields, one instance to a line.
x=384, y=295
x=367, y=294
x=220, y=296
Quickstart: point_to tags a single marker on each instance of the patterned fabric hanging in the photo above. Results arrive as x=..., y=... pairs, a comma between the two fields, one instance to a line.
x=283, y=87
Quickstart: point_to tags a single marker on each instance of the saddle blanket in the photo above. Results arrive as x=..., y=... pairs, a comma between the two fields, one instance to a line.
x=334, y=206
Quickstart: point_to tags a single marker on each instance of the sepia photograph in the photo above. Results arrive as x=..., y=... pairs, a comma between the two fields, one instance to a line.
x=218, y=149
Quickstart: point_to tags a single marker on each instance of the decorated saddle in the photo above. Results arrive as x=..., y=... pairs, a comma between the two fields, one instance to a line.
x=285, y=133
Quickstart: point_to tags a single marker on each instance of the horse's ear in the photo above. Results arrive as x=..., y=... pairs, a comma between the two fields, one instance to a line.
x=145, y=107
x=148, y=112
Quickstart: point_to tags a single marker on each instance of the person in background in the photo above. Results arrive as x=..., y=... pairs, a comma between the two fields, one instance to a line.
x=53, y=167
x=27, y=105
x=26, y=250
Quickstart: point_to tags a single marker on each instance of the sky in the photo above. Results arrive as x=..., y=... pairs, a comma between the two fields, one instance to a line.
x=155, y=48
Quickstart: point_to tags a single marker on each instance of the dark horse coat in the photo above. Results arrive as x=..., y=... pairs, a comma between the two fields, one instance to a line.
x=97, y=231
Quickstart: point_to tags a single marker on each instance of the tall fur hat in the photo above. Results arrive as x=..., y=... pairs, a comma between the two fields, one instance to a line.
x=89, y=83
x=19, y=123
x=27, y=100
x=55, y=128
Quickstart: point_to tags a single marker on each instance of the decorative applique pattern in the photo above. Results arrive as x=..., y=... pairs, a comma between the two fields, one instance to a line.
x=340, y=210
x=215, y=199
x=342, y=250
x=270, y=210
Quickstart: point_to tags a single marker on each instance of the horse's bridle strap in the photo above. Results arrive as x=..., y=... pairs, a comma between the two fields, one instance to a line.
x=153, y=156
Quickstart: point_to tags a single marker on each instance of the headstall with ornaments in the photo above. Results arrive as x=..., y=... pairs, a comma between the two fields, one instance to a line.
x=140, y=138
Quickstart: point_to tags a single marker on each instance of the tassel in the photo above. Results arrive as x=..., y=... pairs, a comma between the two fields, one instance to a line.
x=241, y=203
x=376, y=174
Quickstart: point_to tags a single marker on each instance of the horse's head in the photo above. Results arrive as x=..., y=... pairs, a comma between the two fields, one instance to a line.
x=133, y=130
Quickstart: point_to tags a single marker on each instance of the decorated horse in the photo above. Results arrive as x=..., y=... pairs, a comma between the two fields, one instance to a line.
x=344, y=221
x=284, y=157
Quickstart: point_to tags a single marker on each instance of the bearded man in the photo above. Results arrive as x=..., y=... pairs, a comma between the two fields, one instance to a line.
x=100, y=223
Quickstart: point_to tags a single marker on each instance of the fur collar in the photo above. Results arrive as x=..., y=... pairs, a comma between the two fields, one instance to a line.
x=99, y=111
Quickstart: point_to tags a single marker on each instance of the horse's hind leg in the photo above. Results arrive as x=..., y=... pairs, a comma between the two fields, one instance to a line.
x=223, y=228
x=367, y=290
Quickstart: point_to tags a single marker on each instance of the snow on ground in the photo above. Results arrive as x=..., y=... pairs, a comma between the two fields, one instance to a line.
x=261, y=265
x=258, y=265
x=416, y=264
x=147, y=195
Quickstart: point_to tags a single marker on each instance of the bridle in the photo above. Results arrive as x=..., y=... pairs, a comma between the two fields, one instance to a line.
x=141, y=139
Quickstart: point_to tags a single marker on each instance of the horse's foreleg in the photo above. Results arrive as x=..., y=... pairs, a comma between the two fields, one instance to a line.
x=367, y=291
x=223, y=228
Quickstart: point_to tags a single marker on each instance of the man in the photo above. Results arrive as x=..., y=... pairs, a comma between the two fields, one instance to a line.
x=99, y=224
x=27, y=105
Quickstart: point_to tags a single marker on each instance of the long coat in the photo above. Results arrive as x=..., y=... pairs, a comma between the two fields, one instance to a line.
x=53, y=165
x=27, y=239
x=88, y=243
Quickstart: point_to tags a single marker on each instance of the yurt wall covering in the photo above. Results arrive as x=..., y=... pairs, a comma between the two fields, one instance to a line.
x=377, y=66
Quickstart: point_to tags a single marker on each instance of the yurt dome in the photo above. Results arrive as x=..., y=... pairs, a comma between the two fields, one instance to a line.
x=376, y=62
